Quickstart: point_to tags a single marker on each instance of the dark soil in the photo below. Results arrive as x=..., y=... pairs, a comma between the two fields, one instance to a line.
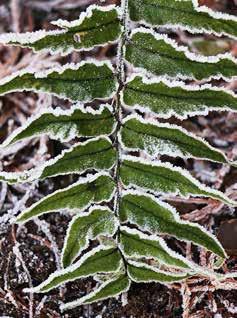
x=38, y=247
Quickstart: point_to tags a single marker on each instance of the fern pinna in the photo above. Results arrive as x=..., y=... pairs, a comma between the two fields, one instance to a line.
x=118, y=200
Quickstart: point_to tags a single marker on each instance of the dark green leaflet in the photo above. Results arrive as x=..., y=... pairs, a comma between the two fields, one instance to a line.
x=164, y=178
x=65, y=125
x=99, y=27
x=142, y=273
x=83, y=82
x=138, y=245
x=181, y=14
x=158, y=139
x=76, y=196
x=85, y=227
x=99, y=261
x=156, y=217
x=165, y=101
x=97, y=154
x=159, y=57
x=108, y=289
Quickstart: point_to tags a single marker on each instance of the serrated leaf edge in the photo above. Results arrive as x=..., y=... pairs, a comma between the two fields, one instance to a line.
x=193, y=30
x=143, y=265
x=190, y=55
x=56, y=112
x=184, y=173
x=160, y=241
x=82, y=300
x=88, y=179
x=176, y=84
x=174, y=213
x=58, y=69
x=31, y=37
x=153, y=122
x=86, y=14
x=88, y=236
x=73, y=267
x=36, y=173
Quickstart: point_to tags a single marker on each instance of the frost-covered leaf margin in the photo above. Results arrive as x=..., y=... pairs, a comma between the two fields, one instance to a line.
x=72, y=36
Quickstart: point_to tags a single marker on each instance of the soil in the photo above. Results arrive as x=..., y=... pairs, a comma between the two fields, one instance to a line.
x=38, y=243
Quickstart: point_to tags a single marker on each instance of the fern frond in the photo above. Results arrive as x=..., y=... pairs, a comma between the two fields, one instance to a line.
x=165, y=98
x=157, y=217
x=77, y=82
x=183, y=14
x=93, y=189
x=111, y=288
x=164, y=178
x=159, y=55
x=95, y=27
x=85, y=227
x=165, y=139
x=115, y=155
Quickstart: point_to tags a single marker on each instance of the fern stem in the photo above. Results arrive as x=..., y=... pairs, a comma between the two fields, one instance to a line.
x=118, y=115
x=117, y=106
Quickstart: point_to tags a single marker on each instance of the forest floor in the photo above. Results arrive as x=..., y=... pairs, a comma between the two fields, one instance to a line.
x=29, y=253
